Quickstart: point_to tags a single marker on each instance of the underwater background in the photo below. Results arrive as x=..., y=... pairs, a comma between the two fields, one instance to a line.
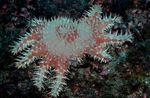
x=123, y=73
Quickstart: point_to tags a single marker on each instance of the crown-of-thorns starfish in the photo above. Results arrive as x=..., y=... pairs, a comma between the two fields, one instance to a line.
x=60, y=39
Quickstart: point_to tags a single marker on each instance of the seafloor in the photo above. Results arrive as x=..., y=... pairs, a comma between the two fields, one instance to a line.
x=127, y=75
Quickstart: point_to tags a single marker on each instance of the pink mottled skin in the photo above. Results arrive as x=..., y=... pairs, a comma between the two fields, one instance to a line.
x=61, y=62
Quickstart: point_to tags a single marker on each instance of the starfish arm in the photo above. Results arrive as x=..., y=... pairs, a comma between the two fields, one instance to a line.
x=30, y=55
x=116, y=38
x=110, y=38
x=24, y=60
x=59, y=80
x=39, y=77
x=24, y=42
x=57, y=84
x=100, y=53
x=107, y=22
x=94, y=10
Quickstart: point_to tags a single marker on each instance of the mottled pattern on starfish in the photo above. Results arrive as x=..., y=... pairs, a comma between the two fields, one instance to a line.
x=58, y=40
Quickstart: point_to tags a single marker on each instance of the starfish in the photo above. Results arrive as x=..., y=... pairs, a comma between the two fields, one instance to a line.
x=61, y=39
